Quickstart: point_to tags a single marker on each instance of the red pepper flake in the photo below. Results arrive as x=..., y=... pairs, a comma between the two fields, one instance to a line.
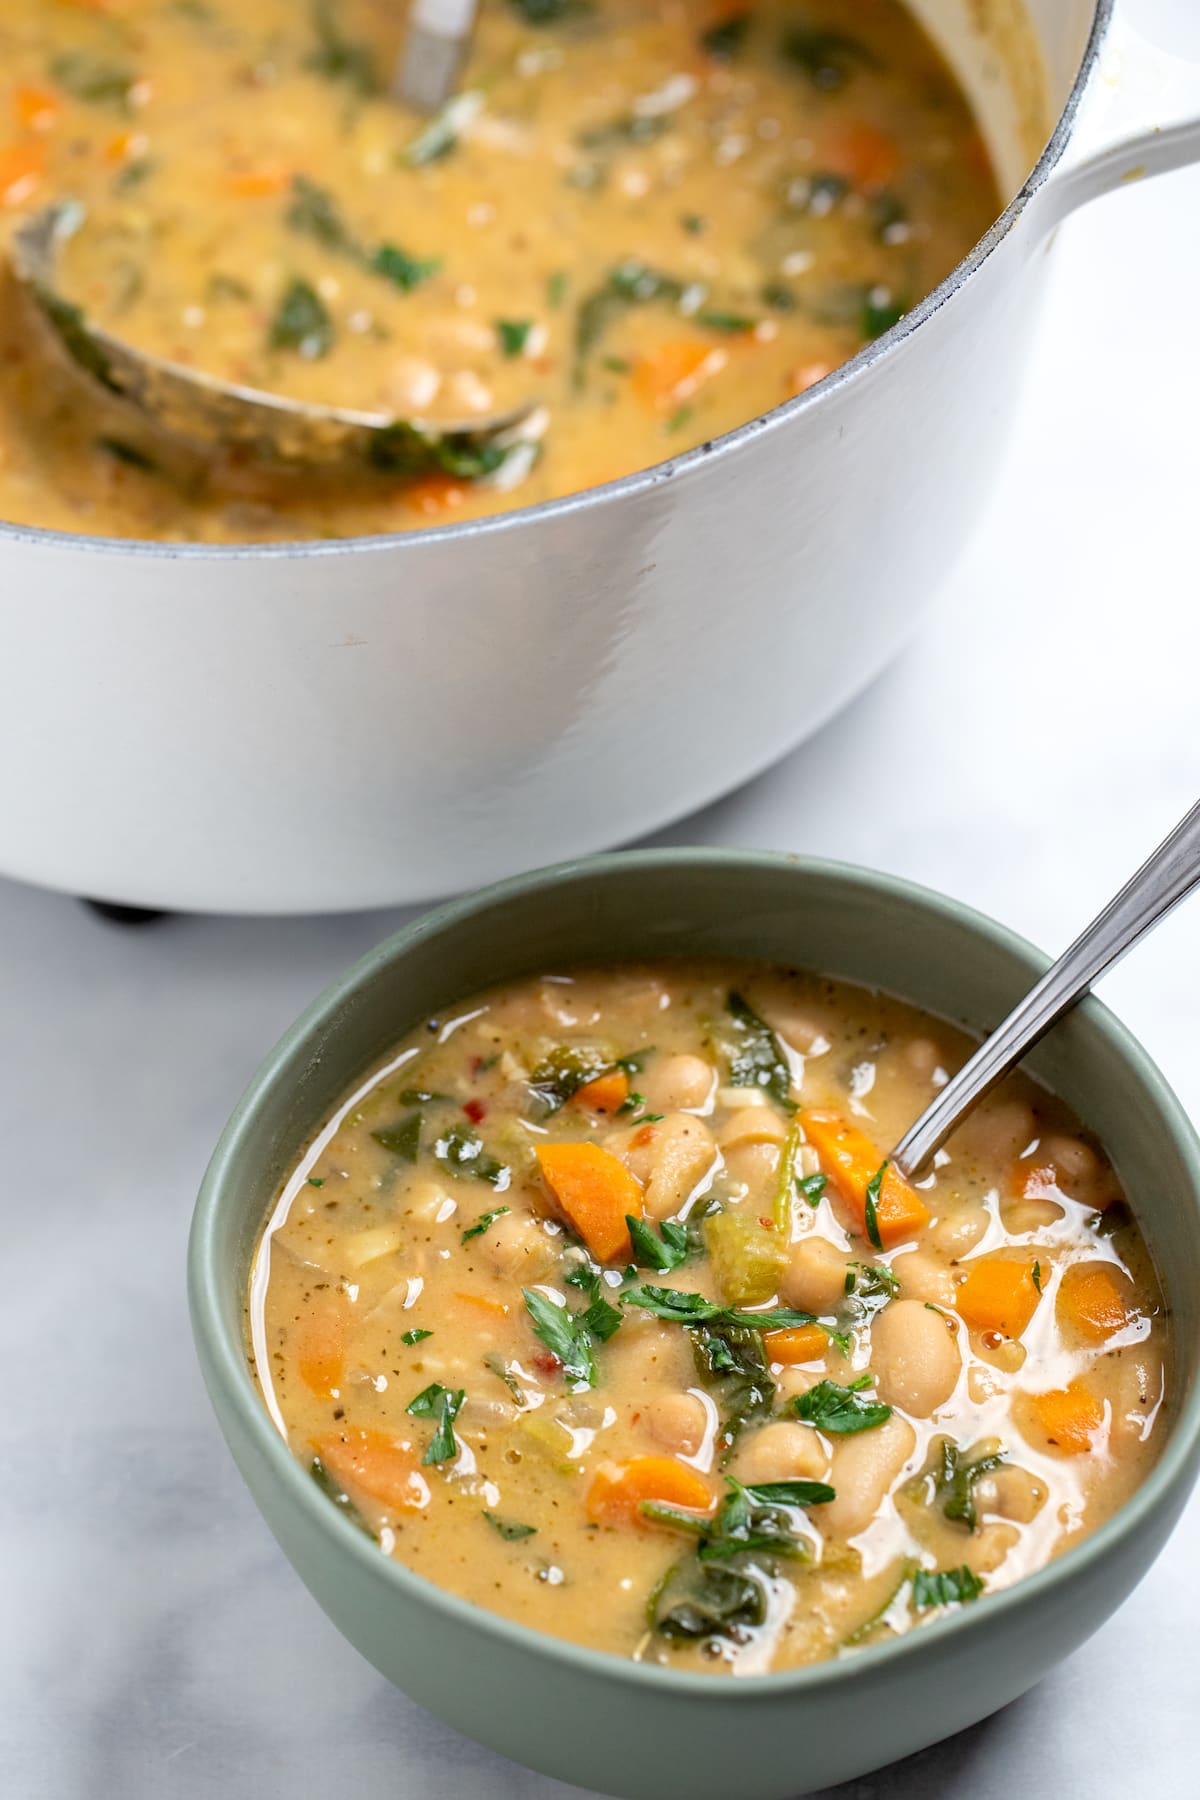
x=769, y=1224
x=645, y=1136
x=546, y=1362
x=475, y=1110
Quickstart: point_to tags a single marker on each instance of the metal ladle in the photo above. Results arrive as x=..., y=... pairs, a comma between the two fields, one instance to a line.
x=1165, y=879
x=435, y=46
x=208, y=414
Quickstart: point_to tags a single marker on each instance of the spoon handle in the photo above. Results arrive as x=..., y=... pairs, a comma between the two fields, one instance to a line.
x=1164, y=879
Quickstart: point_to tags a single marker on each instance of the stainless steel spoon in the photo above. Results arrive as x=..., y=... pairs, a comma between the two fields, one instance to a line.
x=1165, y=879
x=208, y=414
x=435, y=46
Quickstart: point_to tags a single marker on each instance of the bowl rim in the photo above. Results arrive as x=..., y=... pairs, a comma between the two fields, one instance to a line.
x=224, y=1362
x=637, y=481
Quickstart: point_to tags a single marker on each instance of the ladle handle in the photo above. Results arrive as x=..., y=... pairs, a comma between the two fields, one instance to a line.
x=1166, y=878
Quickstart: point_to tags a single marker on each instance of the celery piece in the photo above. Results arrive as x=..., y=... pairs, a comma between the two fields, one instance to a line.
x=747, y=1255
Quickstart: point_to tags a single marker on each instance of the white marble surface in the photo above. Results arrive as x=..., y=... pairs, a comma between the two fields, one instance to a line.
x=1039, y=737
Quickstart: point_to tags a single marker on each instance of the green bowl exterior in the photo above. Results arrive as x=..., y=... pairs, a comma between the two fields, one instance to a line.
x=599, y=1721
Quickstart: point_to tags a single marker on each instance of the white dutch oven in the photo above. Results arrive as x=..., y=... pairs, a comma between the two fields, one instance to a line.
x=313, y=726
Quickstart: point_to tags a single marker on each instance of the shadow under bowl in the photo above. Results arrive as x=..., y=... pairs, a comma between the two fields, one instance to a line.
x=597, y=1720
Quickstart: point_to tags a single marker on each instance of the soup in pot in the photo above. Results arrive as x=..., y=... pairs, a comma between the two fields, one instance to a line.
x=651, y=219
x=599, y=1304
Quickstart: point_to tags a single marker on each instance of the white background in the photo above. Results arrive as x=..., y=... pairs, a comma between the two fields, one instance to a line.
x=1034, y=743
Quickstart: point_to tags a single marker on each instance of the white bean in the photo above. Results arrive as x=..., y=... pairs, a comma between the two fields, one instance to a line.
x=676, y=1083
x=815, y=1277
x=958, y=1231
x=669, y=1158
x=516, y=1245
x=678, y=1422
x=914, y=1356
x=864, y=1468
x=752, y=1125
x=924, y=1277
x=411, y=385
x=782, y=1451
x=1012, y=1492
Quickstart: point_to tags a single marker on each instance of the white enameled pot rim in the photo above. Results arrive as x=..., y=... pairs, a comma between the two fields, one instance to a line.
x=678, y=468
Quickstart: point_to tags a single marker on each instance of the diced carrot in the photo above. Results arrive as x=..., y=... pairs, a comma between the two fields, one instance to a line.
x=1091, y=1303
x=851, y=1161
x=496, y=1308
x=862, y=153
x=433, y=494
x=999, y=1294
x=806, y=375
x=126, y=146
x=36, y=107
x=664, y=377
x=798, y=1344
x=596, y=1192
x=375, y=1464
x=606, y=1093
x=618, y=1489
x=257, y=184
x=1071, y=1417
x=321, y=1356
x=1034, y=1180
x=21, y=168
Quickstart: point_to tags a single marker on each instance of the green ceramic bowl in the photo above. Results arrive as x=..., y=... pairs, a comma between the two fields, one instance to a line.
x=590, y=1718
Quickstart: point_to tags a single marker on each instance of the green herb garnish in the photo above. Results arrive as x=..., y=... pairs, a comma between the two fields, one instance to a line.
x=339, y=58
x=757, y=1059
x=513, y=335
x=663, y=1250
x=335, y=1492
x=314, y=212
x=417, y=1335
x=812, y=1187
x=461, y=1151
x=694, y=1309
x=442, y=1405
x=483, y=1222
x=302, y=322
x=628, y=128
x=841, y=1410
x=509, y=1530
x=404, y=1139
x=828, y=58
x=1036, y=1276
x=954, y=1483
x=93, y=79
x=502, y=1372
x=726, y=321
x=944, y=1587
x=871, y=1205
x=572, y=1337
x=443, y=131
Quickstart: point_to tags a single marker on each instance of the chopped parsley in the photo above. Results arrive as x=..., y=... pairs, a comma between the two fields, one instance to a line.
x=841, y=1410
x=92, y=78
x=442, y=1405
x=302, y=322
x=944, y=1587
x=509, y=1529
x=812, y=1187
x=663, y=1250
x=417, y=1335
x=313, y=211
x=871, y=1205
x=483, y=1222
x=570, y=1336
x=693, y=1309
x=726, y=321
x=444, y=130
x=1036, y=1276
x=334, y=1491
x=337, y=57
x=513, y=335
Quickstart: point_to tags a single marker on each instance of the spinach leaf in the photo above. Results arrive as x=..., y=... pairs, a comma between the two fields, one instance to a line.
x=812, y=1187
x=757, y=1059
x=404, y=1139
x=402, y=270
x=483, y=1222
x=334, y=1491
x=339, y=58
x=828, y=58
x=693, y=1309
x=416, y=1336
x=302, y=322
x=93, y=79
x=733, y=1362
x=723, y=1603
x=663, y=1251
x=572, y=1337
x=501, y=1370
x=954, y=1483
x=944, y=1587
x=724, y=40
x=881, y=310
x=562, y=1073
x=461, y=1152
x=442, y=1405
x=630, y=283
x=627, y=128
x=871, y=1205
x=509, y=1530
x=726, y=321
x=841, y=1410
x=748, y=1519
x=513, y=335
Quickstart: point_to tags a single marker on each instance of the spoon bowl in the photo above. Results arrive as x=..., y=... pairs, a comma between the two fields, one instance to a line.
x=209, y=415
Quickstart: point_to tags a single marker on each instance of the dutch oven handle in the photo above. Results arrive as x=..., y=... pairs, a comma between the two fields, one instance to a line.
x=1141, y=115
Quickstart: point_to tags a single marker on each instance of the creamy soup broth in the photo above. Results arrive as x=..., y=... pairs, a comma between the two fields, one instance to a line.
x=593, y=1306
x=655, y=218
